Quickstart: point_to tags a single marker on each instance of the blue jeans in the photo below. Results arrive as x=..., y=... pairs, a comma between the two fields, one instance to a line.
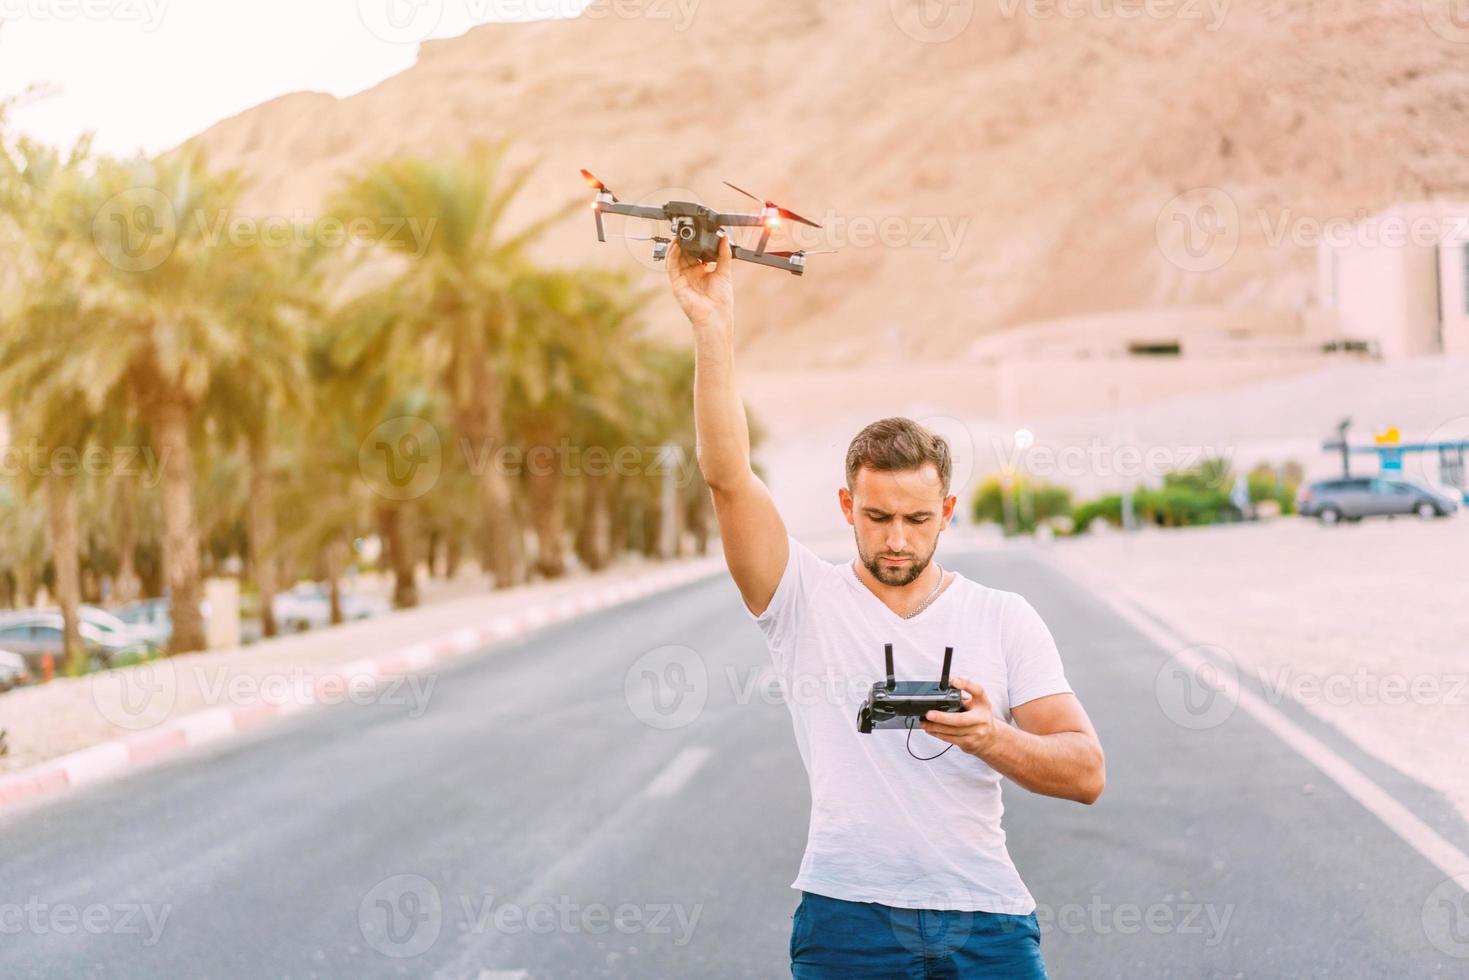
x=833, y=938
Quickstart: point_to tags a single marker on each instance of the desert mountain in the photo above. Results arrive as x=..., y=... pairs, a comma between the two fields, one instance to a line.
x=1013, y=172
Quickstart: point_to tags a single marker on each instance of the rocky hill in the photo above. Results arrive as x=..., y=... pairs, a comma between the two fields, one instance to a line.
x=1019, y=169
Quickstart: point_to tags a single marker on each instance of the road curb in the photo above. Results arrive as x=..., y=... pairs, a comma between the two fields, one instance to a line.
x=111, y=758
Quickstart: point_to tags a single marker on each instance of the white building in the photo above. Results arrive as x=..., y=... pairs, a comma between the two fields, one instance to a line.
x=1390, y=287
x=1400, y=279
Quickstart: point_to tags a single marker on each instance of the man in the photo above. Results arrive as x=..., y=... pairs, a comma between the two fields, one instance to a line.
x=906, y=873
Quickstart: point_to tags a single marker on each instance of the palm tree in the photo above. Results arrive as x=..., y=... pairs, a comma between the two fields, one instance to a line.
x=448, y=303
x=662, y=419
x=320, y=486
x=667, y=422
x=54, y=406
x=171, y=305
x=23, y=545
x=365, y=374
x=265, y=381
x=566, y=363
x=122, y=513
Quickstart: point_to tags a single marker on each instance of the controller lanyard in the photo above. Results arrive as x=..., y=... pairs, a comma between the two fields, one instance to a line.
x=909, y=745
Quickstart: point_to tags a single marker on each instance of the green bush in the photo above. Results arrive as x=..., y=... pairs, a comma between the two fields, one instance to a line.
x=1183, y=505
x=1211, y=475
x=134, y=657
x=1032, y=503
x=1198, y=495
x=1268, y=483
x=1109, y=508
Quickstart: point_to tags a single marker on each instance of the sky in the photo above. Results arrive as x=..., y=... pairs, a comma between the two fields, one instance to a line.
x=144, y=75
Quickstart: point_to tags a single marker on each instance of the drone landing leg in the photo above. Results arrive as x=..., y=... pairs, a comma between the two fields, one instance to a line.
x=764, y=240
x=774, y=261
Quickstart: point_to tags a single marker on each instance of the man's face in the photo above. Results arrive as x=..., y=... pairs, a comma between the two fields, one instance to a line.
x=897, y=517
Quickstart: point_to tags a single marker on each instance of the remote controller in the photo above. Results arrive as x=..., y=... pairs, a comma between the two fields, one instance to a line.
x=902, y=704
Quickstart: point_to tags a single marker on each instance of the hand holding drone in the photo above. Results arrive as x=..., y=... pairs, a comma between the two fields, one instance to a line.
x=699, y=229
x=705, y=291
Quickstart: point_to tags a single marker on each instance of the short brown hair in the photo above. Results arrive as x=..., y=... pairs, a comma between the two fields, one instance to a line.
x=898, y=444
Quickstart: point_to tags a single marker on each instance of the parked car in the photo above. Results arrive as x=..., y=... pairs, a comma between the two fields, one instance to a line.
x=307, y=605
x=149, y=618
x=33, y=635
x=152, y=620
x=13, y=670
x=95, y=615
x=1354, y=498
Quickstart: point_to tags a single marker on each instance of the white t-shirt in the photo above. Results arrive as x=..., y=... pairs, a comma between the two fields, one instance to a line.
x=886, y=827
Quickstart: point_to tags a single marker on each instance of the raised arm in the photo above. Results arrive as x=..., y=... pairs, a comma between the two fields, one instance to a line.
x=754, y=536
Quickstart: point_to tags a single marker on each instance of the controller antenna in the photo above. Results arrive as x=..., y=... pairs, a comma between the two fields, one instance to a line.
x=944, y=678
x=887, y=651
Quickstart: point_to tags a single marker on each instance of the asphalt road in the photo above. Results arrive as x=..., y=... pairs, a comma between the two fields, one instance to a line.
x=551, y=812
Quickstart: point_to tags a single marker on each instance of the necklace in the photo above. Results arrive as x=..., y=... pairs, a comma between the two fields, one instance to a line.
x=931, y=596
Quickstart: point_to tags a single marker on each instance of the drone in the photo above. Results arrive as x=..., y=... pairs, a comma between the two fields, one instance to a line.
x=699, y=229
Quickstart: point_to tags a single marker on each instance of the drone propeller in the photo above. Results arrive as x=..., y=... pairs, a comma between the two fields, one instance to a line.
x=789, y=215
x=803, y=253
x=645, y=238
x=604, y=194
x=600, y=187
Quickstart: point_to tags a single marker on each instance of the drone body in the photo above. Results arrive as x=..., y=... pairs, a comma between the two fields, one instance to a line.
x=698, y=229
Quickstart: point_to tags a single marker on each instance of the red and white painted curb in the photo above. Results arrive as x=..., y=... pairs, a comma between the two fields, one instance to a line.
x=110, y=758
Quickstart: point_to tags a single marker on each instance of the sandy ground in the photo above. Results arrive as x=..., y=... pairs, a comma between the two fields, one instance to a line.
x=1365, y=625
x=45, y=721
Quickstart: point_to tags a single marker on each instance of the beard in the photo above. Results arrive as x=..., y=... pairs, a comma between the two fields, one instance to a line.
x=895, y=576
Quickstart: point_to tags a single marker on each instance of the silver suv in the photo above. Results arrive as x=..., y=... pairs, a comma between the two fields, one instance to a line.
x=1352, y=499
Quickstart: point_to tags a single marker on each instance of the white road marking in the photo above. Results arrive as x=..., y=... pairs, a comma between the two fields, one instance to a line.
x=1398, y=818
x=678, y=772
x=603, y=839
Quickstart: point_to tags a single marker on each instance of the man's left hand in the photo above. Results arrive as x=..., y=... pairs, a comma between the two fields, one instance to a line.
x=974, y=729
